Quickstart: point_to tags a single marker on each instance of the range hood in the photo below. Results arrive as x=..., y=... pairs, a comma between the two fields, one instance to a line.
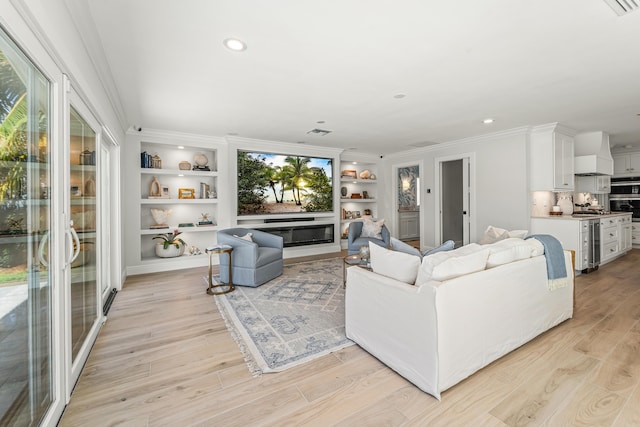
x=592, y=154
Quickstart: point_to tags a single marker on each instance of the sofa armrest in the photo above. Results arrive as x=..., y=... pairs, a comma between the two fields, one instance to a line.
x=396, y=323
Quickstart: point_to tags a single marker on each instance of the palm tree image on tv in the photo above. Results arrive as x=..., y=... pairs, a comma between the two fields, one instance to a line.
x=275, y=183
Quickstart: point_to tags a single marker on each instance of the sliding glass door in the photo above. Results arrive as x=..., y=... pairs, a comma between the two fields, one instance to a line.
x=83, y=272
x=26, y=308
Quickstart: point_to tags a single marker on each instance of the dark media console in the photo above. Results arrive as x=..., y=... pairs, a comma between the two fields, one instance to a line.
x=301, y=235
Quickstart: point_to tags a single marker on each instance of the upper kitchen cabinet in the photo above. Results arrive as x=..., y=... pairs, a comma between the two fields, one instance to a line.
x=594, y=184
x=626, y=164
x=551, y=156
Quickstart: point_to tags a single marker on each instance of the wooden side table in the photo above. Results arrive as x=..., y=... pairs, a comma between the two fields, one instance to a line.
x=223, y=249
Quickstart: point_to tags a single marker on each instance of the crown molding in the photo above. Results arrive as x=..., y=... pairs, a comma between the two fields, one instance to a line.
x=275, y=146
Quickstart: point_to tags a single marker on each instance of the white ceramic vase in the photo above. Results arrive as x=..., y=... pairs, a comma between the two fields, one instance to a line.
x=160, y=216
x=170, y=252
x=566, y=204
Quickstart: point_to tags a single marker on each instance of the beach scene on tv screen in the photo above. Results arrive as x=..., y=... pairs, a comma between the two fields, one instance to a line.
x=270, y=183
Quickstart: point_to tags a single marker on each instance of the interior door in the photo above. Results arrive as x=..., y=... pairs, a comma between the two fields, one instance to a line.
x=454, y=201
x=83, y=272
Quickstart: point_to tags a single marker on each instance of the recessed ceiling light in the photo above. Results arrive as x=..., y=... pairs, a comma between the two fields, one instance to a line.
x=399, y=95
x=180, y=147
x=354, y=163
x=487, y=121
x=234, y=44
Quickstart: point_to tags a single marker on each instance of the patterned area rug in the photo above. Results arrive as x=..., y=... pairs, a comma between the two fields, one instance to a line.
x=290, y=320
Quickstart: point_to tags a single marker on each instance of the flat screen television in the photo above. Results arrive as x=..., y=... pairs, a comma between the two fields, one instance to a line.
x=274, y=183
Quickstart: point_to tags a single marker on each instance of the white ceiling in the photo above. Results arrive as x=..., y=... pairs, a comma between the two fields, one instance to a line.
x=342, y=61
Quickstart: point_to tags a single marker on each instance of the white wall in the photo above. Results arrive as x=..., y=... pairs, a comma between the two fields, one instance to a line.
x=501, y=182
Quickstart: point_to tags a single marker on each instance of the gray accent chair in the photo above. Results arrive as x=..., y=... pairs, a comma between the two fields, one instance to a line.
x=252, y=263
x=355, y=241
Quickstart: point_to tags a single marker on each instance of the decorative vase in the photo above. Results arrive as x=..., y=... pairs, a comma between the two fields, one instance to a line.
x=170, y=252
x=565, y=201
x=200, y=159
x=184, y=165
x=343, y=191
x=160, y=216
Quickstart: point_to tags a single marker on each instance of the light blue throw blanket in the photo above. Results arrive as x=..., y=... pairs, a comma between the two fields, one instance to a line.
x=554, y=254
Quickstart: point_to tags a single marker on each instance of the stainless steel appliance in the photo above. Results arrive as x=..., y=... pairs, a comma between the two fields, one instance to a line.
x=594, y=246
x=625, y=196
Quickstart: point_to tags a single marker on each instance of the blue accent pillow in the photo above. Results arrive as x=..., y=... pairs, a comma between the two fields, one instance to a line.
x=446, y=246
x=400, y=246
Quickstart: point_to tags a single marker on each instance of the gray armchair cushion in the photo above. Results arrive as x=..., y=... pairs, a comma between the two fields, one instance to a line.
x=355, y=241
x=253, y=263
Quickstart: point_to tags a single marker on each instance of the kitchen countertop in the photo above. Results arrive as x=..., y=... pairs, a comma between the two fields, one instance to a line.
x=581, y=217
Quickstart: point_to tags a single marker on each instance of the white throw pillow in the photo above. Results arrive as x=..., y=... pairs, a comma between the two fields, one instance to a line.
x=508, y=250
x=246, y=237
x=495, y=234
x=492, y=235
x=430, y=262
x=396, y=265
x=520, y=234
x=371, y=228
x=537, y=248
x=459, y=266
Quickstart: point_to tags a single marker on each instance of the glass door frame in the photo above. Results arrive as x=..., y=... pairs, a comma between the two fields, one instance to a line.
x=74, y=367
x=110, y=212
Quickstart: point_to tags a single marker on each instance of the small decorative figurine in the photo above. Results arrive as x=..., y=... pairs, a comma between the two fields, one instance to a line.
x=155, y=189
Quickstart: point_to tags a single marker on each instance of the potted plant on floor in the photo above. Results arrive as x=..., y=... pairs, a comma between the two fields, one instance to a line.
x=171, y=245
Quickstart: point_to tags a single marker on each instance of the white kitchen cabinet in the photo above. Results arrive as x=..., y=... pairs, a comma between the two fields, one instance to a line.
x=635, y=233
x=552, y=158
x=609, y=238
x=626, y=233
x=409, y=224
x=573, y=234
x=615, y=237
x=626, y=164
x=594, y=184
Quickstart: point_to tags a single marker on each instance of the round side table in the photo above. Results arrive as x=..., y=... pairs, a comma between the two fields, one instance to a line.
x=224, y=249
x=351, y=260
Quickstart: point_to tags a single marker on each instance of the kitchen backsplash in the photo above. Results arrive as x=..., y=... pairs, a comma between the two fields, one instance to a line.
x=543, y=201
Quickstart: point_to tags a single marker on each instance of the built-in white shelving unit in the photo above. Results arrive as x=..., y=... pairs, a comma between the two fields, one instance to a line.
x=352, y=207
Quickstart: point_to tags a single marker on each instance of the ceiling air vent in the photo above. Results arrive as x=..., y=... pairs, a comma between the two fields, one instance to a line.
x=320, y=132
x=622, y=7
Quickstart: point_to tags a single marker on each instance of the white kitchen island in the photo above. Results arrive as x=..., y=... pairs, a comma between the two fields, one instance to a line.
x=573, y=234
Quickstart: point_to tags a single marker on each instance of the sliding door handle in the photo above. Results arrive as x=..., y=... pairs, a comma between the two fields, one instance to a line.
x=74, y=244
x=41, y=248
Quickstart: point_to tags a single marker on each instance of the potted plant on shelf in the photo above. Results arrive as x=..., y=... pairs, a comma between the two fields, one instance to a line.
x=171, y=245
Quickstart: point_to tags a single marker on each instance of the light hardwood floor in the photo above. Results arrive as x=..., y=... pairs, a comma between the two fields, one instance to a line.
x=165, y=358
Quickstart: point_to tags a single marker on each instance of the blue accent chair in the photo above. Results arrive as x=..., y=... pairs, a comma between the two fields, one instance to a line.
x=253, y=263
x=355, y=241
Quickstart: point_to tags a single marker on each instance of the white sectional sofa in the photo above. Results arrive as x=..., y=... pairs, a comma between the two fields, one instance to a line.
x=437, y=333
